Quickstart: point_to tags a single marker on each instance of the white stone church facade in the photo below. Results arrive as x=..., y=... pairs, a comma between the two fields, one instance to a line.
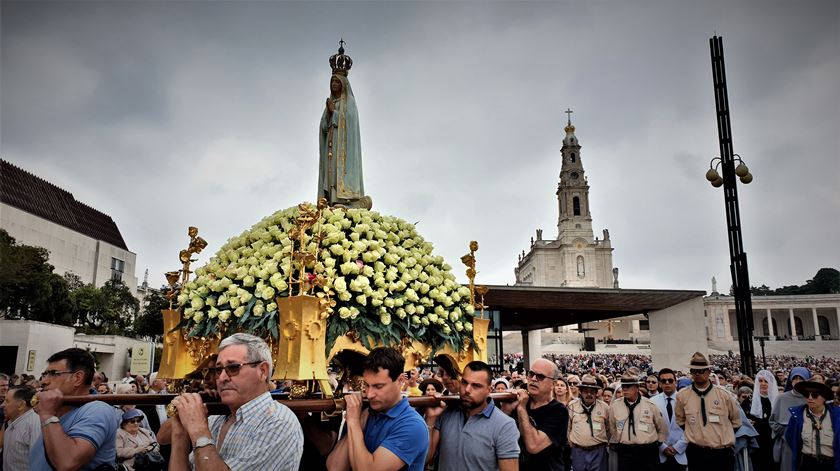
x=576, y=258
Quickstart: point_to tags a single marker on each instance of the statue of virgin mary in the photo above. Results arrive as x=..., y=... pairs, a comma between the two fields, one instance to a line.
x=340, y=166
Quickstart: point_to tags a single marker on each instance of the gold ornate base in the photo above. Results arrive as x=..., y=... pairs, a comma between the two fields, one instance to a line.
x=181, y=356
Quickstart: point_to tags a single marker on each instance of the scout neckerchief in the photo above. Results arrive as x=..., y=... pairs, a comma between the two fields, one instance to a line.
x=817, y=426
x=588, y=412
x=702, y=395
x=631, y=422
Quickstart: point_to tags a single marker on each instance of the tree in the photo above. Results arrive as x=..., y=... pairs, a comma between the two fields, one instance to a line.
x=149, y=324
x=826, y=281
x=28, y=287
x=107, y=311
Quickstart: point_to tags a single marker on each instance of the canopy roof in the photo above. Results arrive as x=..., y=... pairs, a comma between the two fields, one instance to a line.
x=529, y=307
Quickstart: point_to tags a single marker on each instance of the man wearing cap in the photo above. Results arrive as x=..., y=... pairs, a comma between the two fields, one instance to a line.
x=588, y=419
x=636, y=428
x=672, y=450
x=812, y=429
x=709, y=415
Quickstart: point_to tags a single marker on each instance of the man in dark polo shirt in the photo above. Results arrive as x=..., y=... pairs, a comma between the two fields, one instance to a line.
x=542, y=421
x=391, y=435
x=474, y=435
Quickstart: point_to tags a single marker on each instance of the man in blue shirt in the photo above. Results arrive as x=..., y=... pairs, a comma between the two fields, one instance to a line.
x=74, y=438
x=390, y=436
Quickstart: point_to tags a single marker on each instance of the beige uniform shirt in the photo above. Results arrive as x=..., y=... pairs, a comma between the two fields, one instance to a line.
x=649, y=425
x=722, y=417
x=809, y=441
x=579, y=432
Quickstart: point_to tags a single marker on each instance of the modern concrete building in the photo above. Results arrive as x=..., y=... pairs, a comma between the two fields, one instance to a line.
x=26, y=345
x=80, y=239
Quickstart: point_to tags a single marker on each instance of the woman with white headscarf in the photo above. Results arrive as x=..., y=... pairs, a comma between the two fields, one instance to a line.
x=765, y=392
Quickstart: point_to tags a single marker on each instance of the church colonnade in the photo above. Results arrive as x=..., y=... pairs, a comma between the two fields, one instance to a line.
x=811, y=317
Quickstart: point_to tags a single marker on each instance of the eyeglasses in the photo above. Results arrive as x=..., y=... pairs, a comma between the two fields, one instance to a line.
x=652, y=381
x=572, y=383
x=539, y=376
x=56, y=373
x=231, y=370
x=812, y=394
x=666, y=381
x=698, y=371
x=134, y=421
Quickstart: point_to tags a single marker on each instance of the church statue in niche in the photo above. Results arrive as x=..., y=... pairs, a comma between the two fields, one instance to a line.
x=581, y=270
x=340, y=158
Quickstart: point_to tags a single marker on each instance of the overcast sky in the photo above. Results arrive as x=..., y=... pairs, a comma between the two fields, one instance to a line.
x=169, y=114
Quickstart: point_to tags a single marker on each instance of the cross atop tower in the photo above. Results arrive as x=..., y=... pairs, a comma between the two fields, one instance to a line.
x=569, y=113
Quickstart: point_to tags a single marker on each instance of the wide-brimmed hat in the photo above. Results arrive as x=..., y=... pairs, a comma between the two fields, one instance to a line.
x=628, y=379
x=589, y=381
x=803, y=387
x=698, y=362
x=131, y=414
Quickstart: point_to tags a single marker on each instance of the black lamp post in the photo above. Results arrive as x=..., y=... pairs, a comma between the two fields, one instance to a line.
x=737, y=256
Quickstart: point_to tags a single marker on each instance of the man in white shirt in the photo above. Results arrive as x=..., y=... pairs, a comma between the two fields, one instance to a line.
x=23, y=429
x=672, y=450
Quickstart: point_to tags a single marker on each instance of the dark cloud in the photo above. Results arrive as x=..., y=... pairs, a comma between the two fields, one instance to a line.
x=169, y=114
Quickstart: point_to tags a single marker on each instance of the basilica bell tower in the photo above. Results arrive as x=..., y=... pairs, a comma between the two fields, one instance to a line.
x=576, y=258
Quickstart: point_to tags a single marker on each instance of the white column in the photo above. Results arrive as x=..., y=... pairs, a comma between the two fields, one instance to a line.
x=817, y=335
x=793, y=335
x=837, y=311
x=534, y=346
x=772, y=333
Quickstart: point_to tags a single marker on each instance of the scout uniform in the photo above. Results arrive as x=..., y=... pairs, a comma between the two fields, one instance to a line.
x=812, y=436
x=709, y=418
x=636, y=429
x=588, y=431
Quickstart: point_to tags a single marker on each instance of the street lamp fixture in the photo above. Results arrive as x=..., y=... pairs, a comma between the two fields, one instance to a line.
x=741, y=171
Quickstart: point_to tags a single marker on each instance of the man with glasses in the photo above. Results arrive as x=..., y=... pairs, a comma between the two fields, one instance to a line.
x=542, y=421
x=588, y=433
x=636, y=428
x=75, y=438
x=709, y=415
x=672, y=450
x=259, y=433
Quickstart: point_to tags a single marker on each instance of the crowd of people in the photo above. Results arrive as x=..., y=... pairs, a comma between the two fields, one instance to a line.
x=603, y=412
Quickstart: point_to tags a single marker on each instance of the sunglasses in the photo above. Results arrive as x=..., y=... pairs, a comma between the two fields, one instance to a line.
x=56, y=373
x=652, y=381
x=231, y=370
x=698, y=371
x=666, y=381
x=812, y=394
x=573, y=383
x=538, y=376
x=134, y=421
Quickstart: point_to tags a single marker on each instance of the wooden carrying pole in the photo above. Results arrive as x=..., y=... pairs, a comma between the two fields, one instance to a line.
x=215, y=407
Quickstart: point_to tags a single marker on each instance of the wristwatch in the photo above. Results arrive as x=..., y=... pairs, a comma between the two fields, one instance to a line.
x=50, y=420
x=201, y=442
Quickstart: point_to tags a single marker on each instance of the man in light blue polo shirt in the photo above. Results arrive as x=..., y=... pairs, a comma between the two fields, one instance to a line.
x=75, y=438
x=474, y=435
x=390, y=436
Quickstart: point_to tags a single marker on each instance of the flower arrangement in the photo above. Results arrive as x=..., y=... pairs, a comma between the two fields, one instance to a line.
x=375, y=275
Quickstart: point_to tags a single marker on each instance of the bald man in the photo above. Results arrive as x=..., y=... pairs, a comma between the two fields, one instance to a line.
x=542, y=421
